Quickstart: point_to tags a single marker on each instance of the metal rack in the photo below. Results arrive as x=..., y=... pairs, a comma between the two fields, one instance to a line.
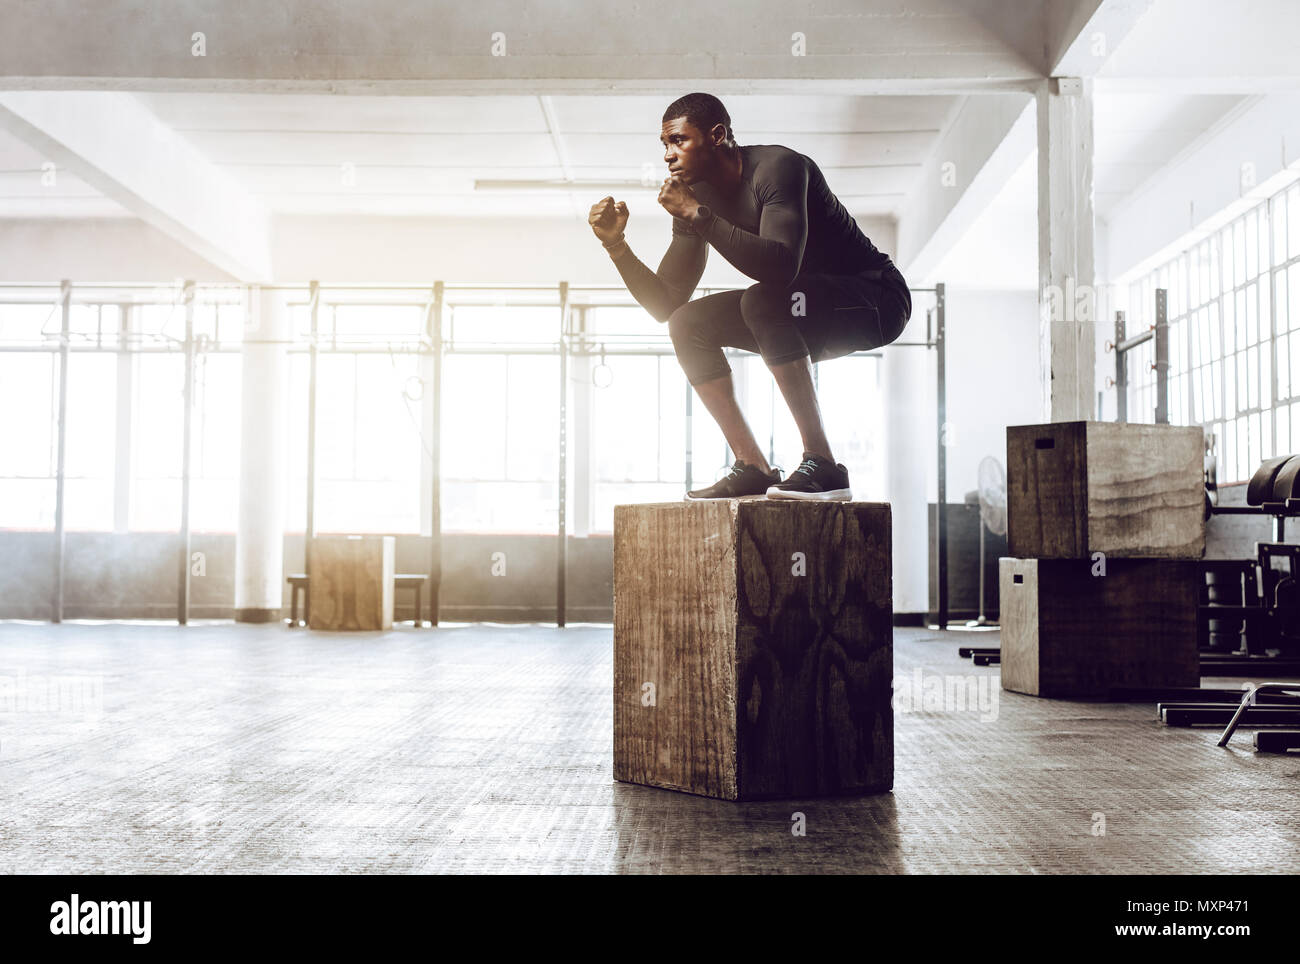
x=572, y=342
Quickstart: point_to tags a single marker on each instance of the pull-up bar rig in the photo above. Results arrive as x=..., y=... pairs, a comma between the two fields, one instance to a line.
x=571, y=343
x=1122, y=345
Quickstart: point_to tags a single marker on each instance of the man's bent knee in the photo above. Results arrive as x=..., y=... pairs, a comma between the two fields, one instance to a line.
x=681, y=323
x=762, y=299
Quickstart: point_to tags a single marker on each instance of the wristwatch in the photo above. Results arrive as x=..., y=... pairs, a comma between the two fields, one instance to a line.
x=703, y=215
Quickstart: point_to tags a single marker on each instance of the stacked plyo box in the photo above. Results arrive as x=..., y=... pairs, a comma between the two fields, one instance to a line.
x=1105, y=522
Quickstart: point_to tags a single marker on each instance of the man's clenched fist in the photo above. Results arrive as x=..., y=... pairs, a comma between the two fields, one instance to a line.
x=677, y=198
x=608, y=219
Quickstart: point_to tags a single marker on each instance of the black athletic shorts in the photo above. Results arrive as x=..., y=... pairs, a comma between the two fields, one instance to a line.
x=837, y=315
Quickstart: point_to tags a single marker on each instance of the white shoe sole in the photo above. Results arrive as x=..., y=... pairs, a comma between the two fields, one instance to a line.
x=722, y=498
x=832, y=495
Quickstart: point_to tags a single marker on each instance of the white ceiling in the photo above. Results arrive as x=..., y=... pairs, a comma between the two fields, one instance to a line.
x=999, y=251
x=425, y=155
x=1135, y=136
x=29, y=190
x=437, y=155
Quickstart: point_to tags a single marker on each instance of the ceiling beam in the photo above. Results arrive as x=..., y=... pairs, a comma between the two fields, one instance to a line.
x=986, y=142
x=1206, y=47
x=547, y=46
x=122, y=150
x=526, y=86
x=1092, y=32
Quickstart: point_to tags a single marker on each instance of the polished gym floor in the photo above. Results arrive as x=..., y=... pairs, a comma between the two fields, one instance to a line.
x=224, y=748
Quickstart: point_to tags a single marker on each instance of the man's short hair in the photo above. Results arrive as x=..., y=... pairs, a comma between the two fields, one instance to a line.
x=703, y=111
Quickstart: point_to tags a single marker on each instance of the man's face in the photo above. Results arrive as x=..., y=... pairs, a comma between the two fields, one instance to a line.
x=687, y=150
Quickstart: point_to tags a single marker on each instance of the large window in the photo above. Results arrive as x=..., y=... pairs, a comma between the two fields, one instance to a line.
x=1234, y=352
x=214, y=461
x=125, y=412
x=638, y=433
x=500, y=418
x=627, y=405
x=500, y=448
x=91, y=450
x=639, y=421
x=370, y=442
x=852, y=404
x=28, y=397
x=156, y=417
x=157, y=425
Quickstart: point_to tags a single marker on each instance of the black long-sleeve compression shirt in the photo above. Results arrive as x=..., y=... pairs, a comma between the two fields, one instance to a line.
x=782, y=220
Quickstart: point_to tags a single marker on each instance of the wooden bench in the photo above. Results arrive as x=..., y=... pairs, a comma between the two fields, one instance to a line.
x=298, y=582
x=412, y=581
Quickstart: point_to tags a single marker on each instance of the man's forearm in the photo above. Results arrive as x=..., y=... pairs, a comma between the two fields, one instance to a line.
x=763, y=259
x=644, y=285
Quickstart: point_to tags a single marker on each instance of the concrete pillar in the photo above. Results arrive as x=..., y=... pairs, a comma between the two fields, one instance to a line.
x=740, y=384
x=425, y=407
x=1066, y=290
x=579, y=435
x=910, y=462
x=263, y=462
x=130, y=320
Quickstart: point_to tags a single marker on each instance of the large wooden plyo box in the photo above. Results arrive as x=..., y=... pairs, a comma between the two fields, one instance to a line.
x=1069, y=633
x=753, y=647
x=351, y=582
x=1135, y=491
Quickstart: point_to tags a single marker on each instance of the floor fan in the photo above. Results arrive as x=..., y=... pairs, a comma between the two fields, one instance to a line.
x=993, y=515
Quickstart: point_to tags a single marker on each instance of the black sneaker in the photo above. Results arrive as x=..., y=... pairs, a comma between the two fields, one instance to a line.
x=817, y=480
x=743, y=480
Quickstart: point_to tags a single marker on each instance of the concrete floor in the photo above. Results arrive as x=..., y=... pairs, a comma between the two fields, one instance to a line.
x=223, y=748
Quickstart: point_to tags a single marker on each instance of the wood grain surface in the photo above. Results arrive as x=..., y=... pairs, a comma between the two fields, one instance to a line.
x=1018, y=596
x=1129, y=490
x=1146, y=490
x=1047, y=491
x=674, y=631
x=815, y=651
x=352, y=583
x=1069, y=633
x=772, y=672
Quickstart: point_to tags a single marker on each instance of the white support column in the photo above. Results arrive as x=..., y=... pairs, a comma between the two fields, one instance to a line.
x=259, y=545
x=122, y=446
x=740, y=384
x=910, y=465
x=426, y=445
x=580, y=371
x=1066, y=291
